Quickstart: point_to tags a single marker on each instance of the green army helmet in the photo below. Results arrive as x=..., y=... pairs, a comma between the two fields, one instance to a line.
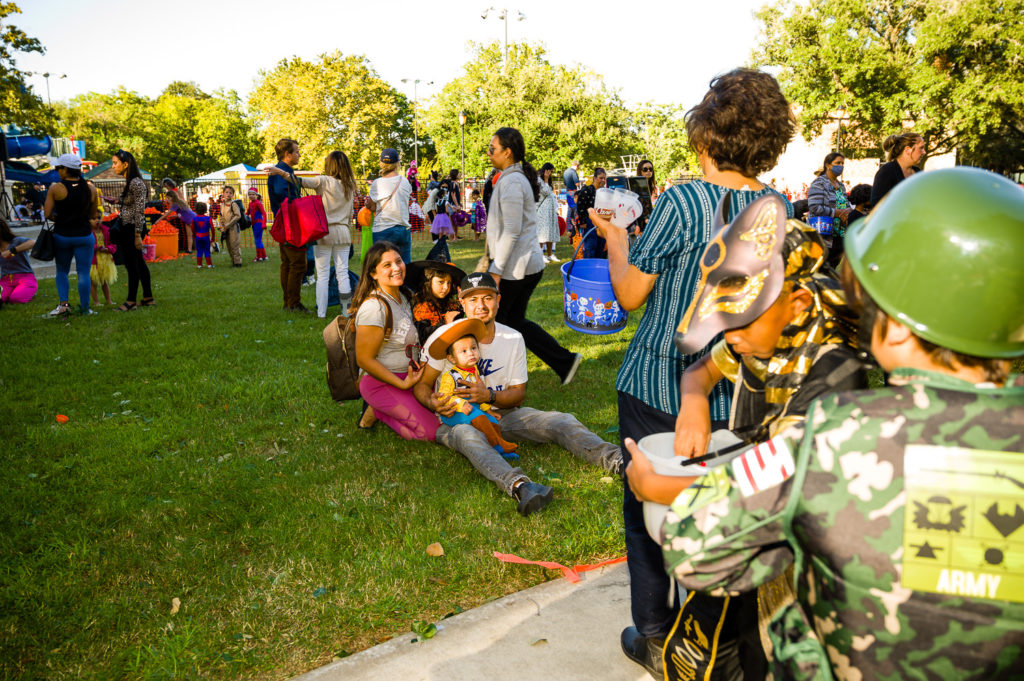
x=943, y=254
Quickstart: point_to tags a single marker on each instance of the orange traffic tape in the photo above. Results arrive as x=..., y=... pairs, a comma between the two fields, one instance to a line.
x=572, y=574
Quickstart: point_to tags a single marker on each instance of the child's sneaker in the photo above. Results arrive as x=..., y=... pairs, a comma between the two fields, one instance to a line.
x=209, y=267
x=60, y=310
x=199, y=267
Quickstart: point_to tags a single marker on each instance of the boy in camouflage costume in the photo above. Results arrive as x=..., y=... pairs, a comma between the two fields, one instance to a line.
x=901, y=509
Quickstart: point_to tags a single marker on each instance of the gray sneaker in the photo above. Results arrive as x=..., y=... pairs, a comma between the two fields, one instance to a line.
x=572, y=370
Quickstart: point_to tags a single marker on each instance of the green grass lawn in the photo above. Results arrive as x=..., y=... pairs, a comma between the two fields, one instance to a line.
x=204, y=461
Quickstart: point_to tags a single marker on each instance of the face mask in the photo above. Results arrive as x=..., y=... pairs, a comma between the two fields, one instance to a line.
x=837, y=170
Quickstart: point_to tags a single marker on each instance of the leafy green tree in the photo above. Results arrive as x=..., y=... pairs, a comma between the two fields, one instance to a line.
x=948, y=70
x=182, y=134
x=662, y=133
x=335, y=102
x=18, y=104
x=563, y=113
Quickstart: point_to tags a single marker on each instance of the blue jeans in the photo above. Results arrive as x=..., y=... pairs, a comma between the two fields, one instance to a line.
x=400, y=237
x=81, y=249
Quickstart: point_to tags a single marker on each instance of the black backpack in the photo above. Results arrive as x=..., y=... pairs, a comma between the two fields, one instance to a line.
x=246, y=221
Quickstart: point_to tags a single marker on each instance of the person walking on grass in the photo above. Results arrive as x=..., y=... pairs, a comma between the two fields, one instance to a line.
x=258, y=217
x=547, y=214
x=389, y=199
x=133, y=221
x=293, y=258
x=517, y=264
x=337, y=187
x=71, y=203
x=230, y=224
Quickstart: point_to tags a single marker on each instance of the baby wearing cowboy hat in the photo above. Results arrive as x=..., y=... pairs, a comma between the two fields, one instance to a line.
x=459, y=345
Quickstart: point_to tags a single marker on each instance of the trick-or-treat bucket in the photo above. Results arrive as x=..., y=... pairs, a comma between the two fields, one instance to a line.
x=166, y=245
x=659, y=449
x=822, y=224
x=589, y=301
x=149, y=252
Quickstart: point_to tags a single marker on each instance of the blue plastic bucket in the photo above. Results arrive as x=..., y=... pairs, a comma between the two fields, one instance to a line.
x=589, y=301
x=822, y=224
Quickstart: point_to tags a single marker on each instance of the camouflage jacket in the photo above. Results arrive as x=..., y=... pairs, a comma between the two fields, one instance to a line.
x=902, y=512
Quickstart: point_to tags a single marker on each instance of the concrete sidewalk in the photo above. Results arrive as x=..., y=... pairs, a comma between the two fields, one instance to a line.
x=555, y=631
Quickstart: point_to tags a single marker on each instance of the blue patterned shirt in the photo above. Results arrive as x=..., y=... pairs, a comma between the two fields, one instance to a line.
x=671, y=247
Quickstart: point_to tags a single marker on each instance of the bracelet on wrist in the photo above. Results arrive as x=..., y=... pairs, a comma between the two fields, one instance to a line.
x=494, y=396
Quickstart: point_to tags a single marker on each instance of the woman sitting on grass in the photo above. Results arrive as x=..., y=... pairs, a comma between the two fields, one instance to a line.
x=385, y=336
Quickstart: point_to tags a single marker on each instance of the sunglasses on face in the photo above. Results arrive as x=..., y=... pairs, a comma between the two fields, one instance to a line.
x=647, y=170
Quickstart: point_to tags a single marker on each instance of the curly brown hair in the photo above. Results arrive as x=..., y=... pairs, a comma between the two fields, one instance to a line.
x=743, y=123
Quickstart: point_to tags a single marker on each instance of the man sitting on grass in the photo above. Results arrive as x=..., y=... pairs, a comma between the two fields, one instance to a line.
x=502, y=368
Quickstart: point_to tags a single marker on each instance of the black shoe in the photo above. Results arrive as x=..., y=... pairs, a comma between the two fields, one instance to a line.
x=302, y=308
x=532, y=497
x=644, y=650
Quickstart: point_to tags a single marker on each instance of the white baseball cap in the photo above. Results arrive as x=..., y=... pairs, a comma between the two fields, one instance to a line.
x=68, y=161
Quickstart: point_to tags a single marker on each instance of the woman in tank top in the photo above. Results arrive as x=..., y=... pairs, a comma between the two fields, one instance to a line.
x=71, y=204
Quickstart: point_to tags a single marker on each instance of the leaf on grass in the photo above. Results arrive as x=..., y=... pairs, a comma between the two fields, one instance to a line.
x=425, y=630
x=175, y=605
x=319, y=591
x=435, y=550
x=340, y=655
x=607, y=480
x=612, y=429
x=338, y=517
x=538, y=641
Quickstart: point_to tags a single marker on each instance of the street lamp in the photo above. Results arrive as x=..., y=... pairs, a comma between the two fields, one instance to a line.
x=839, y=129
x=415, y=133
x=503, y=15
x=47, y=75
x=462, y=124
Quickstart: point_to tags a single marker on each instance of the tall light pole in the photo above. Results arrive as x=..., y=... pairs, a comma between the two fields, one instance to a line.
x=462, y=124
x=415, y=133
x=503, y=15
x=47, y=75
x=839, y=129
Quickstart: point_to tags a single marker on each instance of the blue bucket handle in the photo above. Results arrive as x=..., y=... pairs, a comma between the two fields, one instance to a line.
x=568, y=272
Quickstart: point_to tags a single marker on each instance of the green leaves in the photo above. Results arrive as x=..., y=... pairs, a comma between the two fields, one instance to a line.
x=19, y=105
x=335, y=102
x=947, y=70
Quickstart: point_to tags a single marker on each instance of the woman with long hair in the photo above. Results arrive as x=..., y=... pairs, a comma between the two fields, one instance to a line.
x=176, y=204
x=337, y=187
x=904, y=152
x=547, y=214
x=133, y=222
x=516, y=261
x=72, y=204
x=646, y=170
x=385, y=340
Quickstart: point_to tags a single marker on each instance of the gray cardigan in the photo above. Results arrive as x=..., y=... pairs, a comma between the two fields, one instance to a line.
x=821, y=197
x=512, y=227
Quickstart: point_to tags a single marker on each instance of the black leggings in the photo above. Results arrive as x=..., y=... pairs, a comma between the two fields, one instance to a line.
x=515, y=296
x=138, y=271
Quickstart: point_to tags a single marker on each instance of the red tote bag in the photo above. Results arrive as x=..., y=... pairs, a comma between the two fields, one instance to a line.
x=300, y=221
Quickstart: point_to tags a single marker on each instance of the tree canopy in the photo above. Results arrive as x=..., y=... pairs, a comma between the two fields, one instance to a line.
x=19, y=105
x=564, y=113
x=335, y=102
x=183, y=133
x=948, y=70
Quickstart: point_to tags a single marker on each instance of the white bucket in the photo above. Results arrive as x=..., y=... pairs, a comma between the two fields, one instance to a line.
x=658, y=449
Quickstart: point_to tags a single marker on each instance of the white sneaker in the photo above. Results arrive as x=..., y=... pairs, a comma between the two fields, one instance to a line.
x=572, y=371
x=61, y=309
x=554, y=258
x=547, y=258
x=89, y=311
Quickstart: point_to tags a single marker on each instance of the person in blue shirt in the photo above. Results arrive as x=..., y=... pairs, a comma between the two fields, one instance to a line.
x=293, y=260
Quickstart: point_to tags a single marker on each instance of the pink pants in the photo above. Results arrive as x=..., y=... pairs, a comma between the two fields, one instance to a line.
x=398, y=409
x=18, y=288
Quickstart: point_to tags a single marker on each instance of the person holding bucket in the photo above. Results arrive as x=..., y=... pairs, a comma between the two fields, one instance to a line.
x=517, y=263
x=827, y=205
x=739, y=130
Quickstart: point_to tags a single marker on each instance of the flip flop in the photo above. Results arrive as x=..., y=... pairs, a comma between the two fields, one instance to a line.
x=127, y=307
x=147, y=302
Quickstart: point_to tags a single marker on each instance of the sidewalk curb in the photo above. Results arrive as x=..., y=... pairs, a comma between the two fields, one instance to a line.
x=556, y=630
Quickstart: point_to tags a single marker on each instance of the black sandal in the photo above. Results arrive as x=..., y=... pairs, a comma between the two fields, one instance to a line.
x=127, y=306
x=359, y=422
x=147, y=302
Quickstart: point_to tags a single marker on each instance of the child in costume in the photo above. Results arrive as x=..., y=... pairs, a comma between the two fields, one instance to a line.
x=890, y=508
x=202, y=226
x=789, y=339
x=103, y=271
x=436, y=301
x=477, y=214
x=459, y=346
x=258, y=216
